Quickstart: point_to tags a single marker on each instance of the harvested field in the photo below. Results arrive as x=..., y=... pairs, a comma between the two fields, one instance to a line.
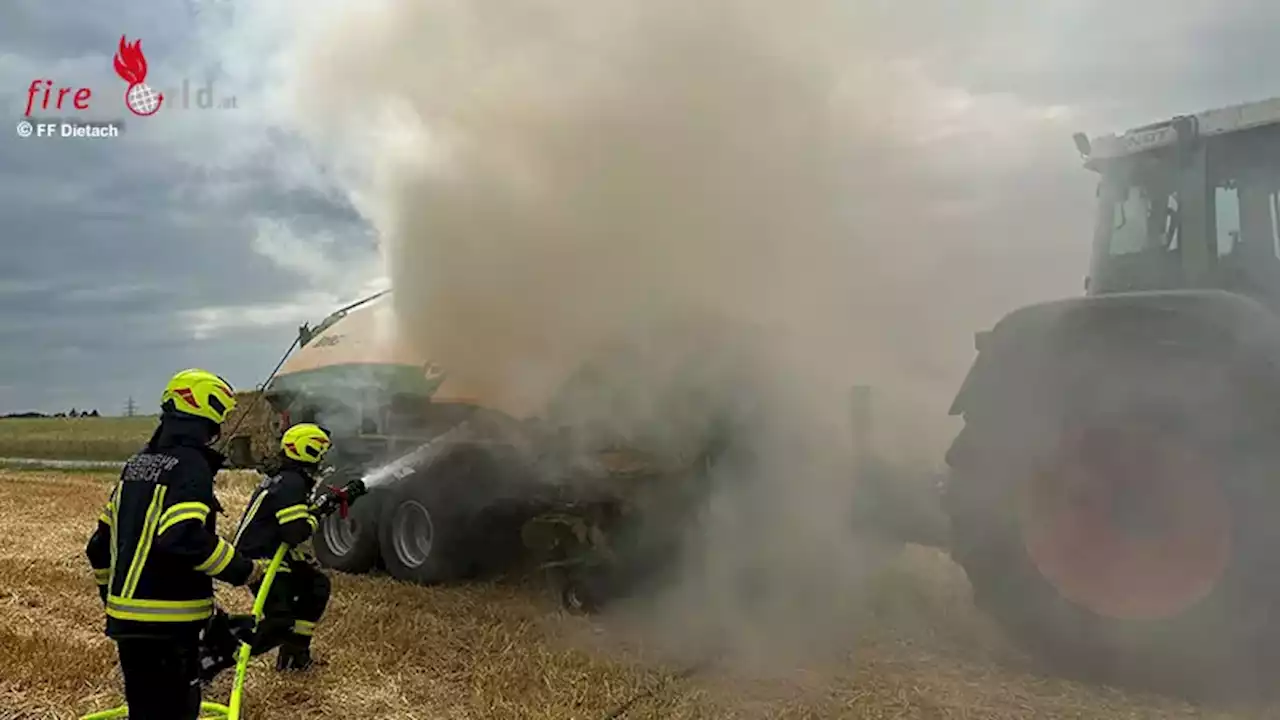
x=116, y=438
x=101, y=438
x=504, y=651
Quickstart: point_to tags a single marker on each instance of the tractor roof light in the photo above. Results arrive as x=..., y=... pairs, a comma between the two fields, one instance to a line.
x=1082, y=144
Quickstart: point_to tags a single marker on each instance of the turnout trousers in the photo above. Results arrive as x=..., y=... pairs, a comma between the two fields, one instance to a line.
x=161, y=677
x=295, y=603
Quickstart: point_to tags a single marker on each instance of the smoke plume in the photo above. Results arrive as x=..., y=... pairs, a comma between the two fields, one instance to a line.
x=750, y=206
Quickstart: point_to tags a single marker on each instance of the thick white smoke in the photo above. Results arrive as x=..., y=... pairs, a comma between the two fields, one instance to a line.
x=551, y=177
x=546, y=172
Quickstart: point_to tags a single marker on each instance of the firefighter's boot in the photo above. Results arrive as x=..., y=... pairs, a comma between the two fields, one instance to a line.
x=295, y=655
x=219, y=642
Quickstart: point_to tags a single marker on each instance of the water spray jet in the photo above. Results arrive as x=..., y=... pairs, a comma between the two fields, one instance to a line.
x=421, y=456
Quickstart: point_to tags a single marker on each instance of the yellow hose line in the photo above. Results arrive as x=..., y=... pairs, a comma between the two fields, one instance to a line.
x=216, y=710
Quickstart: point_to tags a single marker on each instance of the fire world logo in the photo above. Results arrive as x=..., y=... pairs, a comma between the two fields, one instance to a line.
x=131, y=66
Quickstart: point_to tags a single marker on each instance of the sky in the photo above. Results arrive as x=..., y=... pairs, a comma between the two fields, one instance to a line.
x=205, y=236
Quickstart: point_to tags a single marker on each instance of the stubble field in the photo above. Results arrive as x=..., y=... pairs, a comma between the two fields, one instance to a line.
x=503, y=650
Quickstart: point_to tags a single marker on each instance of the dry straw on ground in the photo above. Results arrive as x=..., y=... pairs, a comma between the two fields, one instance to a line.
x=504, y=651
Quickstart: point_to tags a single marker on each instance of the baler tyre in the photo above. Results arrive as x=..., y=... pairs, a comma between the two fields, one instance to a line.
x=1197, y=624
x=421, y=540
x=580, y=591
x=350, y=544
x=580, y=597
x=430, y=520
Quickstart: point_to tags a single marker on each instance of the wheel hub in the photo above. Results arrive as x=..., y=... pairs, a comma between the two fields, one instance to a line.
x=340, y=534
x=1127, y=523
x=412, y=533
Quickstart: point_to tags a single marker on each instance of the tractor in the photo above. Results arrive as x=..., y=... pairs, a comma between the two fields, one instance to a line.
x=1114, y=493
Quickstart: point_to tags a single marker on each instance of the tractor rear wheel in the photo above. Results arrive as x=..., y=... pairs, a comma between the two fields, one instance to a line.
x=1123, y=527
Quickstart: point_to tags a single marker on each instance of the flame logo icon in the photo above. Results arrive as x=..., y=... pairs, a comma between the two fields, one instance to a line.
x=131, y=66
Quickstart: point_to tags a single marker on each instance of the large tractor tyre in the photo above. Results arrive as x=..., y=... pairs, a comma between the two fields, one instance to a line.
x=1123, y=526
x=433, y=523
x=350, y=544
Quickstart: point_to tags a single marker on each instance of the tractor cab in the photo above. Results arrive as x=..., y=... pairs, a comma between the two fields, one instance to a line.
x=1190, y=203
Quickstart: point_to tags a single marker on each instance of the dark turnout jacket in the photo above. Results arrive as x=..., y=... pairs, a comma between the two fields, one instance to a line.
x=156, y=550
x=278, y=512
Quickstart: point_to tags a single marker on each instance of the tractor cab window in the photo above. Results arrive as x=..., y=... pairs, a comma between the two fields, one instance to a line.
x=1241, y=228
x=1246, y=217
x=1144, y=218
x=1226, y=205
x=1139, y=233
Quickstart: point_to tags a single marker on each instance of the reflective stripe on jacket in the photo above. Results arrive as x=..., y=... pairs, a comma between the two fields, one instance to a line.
x=156, y=550
x=279, y=511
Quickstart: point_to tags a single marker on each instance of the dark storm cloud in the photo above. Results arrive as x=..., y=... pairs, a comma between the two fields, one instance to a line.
x=101, y=215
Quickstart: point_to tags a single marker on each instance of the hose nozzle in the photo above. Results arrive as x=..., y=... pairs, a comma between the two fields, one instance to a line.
x=355, y=488
x=340, y=498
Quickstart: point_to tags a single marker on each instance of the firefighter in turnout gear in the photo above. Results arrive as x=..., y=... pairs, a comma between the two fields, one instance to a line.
x=156, y=551
x=280, y=512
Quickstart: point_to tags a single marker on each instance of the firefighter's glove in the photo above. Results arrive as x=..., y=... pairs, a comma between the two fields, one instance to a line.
x=259, y=571
x=308, y=557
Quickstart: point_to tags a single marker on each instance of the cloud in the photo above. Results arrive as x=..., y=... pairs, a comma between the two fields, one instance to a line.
x=129, y=259
x=219, y=321
x=235, y=225
x=210, y=322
